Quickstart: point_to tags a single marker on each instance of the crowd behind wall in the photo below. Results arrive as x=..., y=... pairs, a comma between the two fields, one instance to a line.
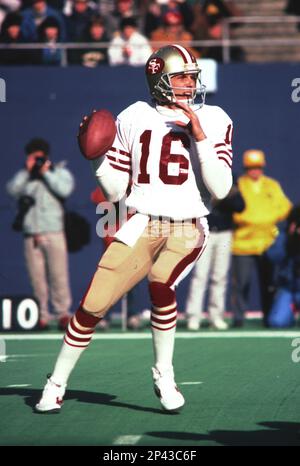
x=119, y=28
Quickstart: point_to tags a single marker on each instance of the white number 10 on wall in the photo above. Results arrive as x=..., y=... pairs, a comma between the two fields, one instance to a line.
x=23, y=315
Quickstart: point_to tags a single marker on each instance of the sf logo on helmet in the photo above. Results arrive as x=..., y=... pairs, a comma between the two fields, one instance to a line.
x=155, y=65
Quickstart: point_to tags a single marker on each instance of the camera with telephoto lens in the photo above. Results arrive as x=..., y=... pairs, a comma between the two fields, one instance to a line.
x=39, y=162
x=24, y=204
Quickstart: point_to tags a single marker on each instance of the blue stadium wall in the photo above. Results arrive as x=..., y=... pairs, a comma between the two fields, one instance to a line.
x=50, y=103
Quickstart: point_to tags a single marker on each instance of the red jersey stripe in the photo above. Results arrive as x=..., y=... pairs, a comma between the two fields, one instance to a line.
x=115, y=159
x=122, y=169
x=120, y=151
x=223, y=144
x=225, y=160
x=224, y=152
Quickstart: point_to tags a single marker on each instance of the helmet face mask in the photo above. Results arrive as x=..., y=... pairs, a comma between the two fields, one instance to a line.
x=171, y=92
x=167, y=62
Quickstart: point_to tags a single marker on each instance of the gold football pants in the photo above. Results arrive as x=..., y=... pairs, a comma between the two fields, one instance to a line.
x=166, y=252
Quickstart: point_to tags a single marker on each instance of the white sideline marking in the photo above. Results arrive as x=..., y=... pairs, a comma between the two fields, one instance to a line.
x=18, y=385
x=17, y=357
x=127, y=440
x=147, y=336
x=190, y=383
x=22, y=355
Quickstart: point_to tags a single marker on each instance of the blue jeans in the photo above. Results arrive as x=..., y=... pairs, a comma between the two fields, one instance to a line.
x=281, y=314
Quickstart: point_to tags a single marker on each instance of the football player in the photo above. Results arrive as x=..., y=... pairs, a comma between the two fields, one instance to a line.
x=176, y=154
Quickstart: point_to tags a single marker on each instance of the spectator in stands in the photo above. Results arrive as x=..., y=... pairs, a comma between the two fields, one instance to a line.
x=106, y=7
x=91, y=57
x=173, y=31
x=26, y=4
x=49, y=33
x=11, y=34
x=123, y=9
x=39, y=189
x=211, y=271
x=208, y=25
x=157, y=10
x=255, y=231
x=182, y=7
x=153, y=17
x=133, y=306
x=79, y=20
x=293, y=8
x=285, y=254
x=57, y=4
x=35, y=15
x=130, y=47
x=8, y=6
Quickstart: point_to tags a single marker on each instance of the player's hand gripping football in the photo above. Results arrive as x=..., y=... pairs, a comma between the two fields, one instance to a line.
x=83, y=121
x=194, y=126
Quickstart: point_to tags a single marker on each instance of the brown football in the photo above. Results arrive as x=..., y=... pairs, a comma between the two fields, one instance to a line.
x=96, y=134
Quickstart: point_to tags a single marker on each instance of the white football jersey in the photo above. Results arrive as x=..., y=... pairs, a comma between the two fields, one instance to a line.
x=162, y=161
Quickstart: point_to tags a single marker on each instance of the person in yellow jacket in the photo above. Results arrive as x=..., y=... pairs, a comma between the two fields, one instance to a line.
x=254, y=232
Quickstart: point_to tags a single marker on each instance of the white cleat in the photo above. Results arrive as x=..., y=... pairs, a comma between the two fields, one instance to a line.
x=166, y=390
x=52, y=397
x=219, y=324
x=193, y=324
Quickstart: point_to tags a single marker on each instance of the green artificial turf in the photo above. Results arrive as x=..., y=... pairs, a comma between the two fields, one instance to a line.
x=238, y=391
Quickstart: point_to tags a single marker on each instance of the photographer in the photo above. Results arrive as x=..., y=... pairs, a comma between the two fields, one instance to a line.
x=40, y=189
x=285, y=255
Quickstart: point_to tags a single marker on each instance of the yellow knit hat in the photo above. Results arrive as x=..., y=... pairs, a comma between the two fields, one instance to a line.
x=254, y=158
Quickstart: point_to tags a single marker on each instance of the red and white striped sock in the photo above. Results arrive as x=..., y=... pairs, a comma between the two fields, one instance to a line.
x=76, y=340
x=163, y=324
